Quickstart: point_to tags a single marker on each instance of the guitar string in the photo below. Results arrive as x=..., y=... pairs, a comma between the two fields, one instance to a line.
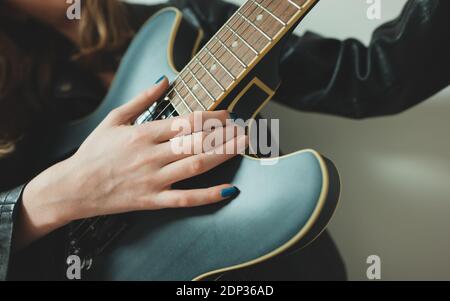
x=203, y=52
x=176, y=83
x=238, y=35
x=207, y=45
x=196, y=72
x=248, y=25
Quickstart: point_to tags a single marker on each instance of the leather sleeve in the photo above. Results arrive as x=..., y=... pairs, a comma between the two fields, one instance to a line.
x=8, y=203
x=406, y=62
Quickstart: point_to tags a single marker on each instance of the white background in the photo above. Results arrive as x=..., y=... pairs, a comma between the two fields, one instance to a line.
x=395, y=171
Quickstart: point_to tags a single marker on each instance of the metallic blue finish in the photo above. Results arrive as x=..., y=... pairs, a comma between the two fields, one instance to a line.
x=233, y=116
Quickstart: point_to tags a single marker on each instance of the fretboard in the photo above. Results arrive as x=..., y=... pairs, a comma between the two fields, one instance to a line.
x=232, y=52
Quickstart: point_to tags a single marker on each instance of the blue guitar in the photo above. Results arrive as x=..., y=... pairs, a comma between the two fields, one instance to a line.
x=281, y=206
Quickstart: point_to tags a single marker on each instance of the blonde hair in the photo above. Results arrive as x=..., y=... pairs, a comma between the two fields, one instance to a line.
x=25, y=76
x=103, y=27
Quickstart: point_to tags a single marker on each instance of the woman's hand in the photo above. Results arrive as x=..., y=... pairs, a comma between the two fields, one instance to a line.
x=123, y=167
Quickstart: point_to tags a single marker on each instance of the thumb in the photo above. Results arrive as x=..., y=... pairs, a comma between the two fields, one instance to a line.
x=131, y=110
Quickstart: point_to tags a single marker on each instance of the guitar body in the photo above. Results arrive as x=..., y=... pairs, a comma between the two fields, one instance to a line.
x=284, y=202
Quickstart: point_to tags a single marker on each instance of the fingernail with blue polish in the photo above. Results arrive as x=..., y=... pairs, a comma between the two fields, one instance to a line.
x=233, y=116
x=229, y=192
x=160, y=79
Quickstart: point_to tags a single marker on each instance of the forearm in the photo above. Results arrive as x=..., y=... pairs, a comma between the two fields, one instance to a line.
x=45, y=206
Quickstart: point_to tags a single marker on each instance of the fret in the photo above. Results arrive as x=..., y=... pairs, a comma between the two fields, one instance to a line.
x=242, y=39
x=192, y=93
x=222, y=54
x=220, y=64
x=263, y=20
x=256, y=27
x=219, y=73
x=284, y=10
x=197, y=90
x=182, y=93
x=180, y=110
x=182, y=100
x=231, y=52
x=202, y=75
x=247, y=32
x=295, y=4
x=201, y=85
x=302, y=3
x=210, y=74
x=226, y=59
x=240, y=49
x=269, y=13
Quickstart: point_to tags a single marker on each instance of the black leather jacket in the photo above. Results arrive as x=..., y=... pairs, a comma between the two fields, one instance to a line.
x=406, y=62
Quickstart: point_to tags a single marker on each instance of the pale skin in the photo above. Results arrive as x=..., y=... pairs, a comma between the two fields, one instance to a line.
x=120, y=167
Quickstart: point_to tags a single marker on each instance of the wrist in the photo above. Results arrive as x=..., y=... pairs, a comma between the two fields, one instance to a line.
x=46, y=199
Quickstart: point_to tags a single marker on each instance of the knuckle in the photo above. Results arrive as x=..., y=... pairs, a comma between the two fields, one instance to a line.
x=146, y=203
x=115, y=114
x=137, y=135
x=197, y=166
x=212, y=195
x=157, y=132
x=143, y=204
x=224, y=115
x=146, y=159
x=183, y=201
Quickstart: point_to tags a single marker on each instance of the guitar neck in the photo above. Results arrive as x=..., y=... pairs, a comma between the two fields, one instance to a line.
x=255, y=28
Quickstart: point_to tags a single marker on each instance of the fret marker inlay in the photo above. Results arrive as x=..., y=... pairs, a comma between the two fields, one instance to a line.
x=259, y=18
x=254, y=26
x=235, y=44
x=221, y=65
